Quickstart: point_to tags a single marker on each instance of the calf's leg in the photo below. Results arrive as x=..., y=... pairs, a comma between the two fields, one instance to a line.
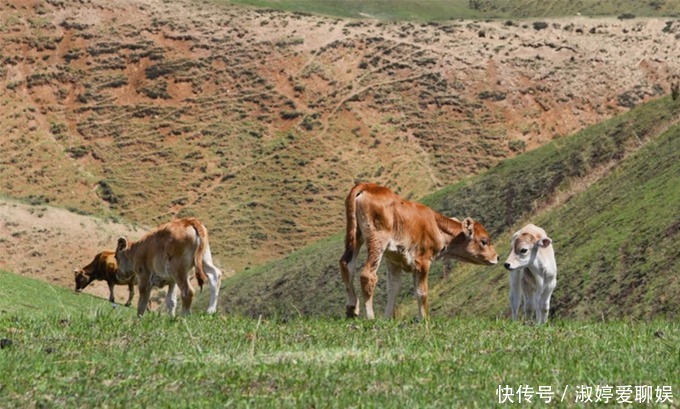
x=144, y=284
x=393, y=287
x=515, y=292
x=112, y=299
x=171, y=299
x=544, y=302
x=420, y=280
x=369, y=278
x=131, y=289
x=185, y=291
x=347, y=270
x=528, y=303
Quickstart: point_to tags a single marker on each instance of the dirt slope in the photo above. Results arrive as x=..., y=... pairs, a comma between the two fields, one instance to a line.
x=47, y=243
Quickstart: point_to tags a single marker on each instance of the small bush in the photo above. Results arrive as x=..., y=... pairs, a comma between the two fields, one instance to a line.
x=78, y=152
x=517, y=145
x=291, y=114
x=58, y=128
x=492, y=95
x=310, y=122
x=540, y=25
x=158, y=90
x=105, y=192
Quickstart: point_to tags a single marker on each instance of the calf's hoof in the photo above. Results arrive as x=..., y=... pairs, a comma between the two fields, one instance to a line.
x=351, y=312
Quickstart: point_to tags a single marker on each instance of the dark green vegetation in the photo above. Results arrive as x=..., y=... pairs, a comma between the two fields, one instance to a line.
x=109, y=358
x=437, y=10
x=616, y=242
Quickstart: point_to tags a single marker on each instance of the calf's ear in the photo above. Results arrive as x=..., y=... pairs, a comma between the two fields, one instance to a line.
x=469, y=227
x=122, y=244
x=544, y=241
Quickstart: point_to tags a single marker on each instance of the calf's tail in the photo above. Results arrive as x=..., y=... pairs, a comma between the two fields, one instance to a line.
x=202, y=239
x=351, y=215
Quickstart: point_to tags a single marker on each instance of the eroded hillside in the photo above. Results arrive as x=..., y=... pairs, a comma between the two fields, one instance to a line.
x=259, y=121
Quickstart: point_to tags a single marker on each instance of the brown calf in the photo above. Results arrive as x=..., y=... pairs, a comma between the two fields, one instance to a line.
x=104, y=267
x=410, y=236
x=169, y=253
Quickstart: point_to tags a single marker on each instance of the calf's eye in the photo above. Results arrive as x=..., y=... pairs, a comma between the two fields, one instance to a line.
x=484, y=242
x=523, y=251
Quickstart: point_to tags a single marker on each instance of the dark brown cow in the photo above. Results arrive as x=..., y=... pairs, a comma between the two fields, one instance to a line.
x=410, y=236
x=104, y=267
x=168, y=254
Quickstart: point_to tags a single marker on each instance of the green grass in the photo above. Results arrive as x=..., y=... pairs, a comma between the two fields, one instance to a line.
x=380, y=9
x=24, y=295
x=308, y=282
x=438, y=10
x=115, y=361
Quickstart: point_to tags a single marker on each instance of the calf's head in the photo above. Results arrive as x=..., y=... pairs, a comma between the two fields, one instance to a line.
x=474, y=244
x=82, y=279
x=525, y=246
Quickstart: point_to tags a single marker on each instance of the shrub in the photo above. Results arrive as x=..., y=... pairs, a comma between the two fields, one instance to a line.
x=105, y=191
x=540, y=25
x=517, y=145
x=290, y=114
x=493, y=95
x=157, y=90
x=78, y=152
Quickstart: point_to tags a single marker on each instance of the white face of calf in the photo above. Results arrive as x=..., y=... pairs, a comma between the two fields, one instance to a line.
x=525, y=246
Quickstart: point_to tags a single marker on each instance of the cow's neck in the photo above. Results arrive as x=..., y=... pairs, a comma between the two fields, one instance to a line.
x=451, y=232
x=447, y=226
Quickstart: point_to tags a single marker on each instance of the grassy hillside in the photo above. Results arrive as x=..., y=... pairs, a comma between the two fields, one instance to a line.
x=616, y=245
x=438, y=10
x=308, y=282
x=220, y=361
x=21, y=296
x=257, y=121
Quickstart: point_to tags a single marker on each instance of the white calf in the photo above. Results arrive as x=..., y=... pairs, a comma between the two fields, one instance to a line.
x=533, y=272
